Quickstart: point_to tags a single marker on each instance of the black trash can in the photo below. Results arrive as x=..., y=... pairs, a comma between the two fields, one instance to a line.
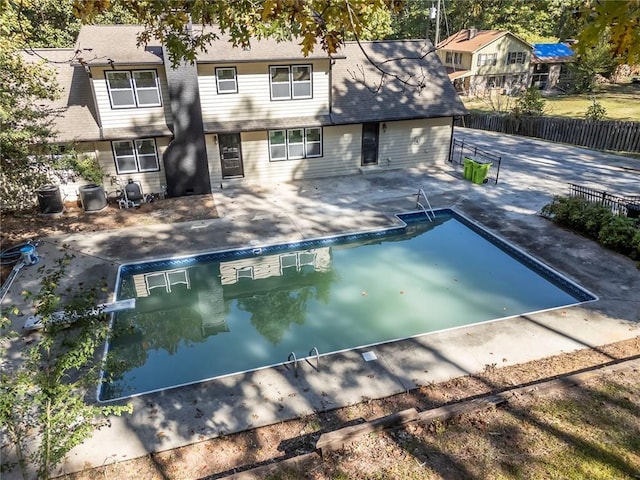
x=92, y=197
x=49, y=199
x=633, y=210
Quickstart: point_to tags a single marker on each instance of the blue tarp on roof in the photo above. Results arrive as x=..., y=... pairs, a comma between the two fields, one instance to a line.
x=551, y=50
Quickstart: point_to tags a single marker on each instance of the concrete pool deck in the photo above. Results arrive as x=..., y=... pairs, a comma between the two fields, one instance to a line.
x=532, y=172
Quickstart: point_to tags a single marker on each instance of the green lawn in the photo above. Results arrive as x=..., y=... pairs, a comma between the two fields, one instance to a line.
x=621, y=101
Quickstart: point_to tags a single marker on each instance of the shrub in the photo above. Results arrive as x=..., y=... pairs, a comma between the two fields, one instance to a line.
x=618, y=234
x=621, y=234
x=635, y=246
x=595, y=111
x=567, y=211
x=530, y=103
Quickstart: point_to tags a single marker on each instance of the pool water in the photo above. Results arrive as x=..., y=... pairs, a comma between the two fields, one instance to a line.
x=203, y=317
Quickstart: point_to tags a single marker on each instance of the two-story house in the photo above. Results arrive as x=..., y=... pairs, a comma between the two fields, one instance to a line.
x=255, y=115
x=480, y=60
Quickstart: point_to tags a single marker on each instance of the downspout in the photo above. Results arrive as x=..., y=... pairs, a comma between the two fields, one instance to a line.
x=331, y=62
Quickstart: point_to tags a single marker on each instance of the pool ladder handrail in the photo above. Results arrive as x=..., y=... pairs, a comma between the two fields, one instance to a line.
x=295, y=362
x=418, y=204
x=292, y=358
x=315, y=349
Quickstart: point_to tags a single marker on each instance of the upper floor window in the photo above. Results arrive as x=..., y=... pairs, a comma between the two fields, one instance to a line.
x=138, y=88
x=135, y=156
x=226, y=80
x=453, y=57
x=516, y=57
x=295, y=143
x=487, y=59
x=290, y=82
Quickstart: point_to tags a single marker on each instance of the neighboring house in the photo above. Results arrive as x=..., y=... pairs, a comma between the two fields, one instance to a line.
x=258, y=115
x=480, y=60
x=549, y=65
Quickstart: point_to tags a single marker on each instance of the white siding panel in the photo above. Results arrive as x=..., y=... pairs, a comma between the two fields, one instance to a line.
x=152, y=182
x=415, y=143
x=405, y=144
x=131, y=117
x=341, y=156
x=253, y=99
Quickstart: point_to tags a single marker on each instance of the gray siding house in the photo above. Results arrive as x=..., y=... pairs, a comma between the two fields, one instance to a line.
x=260, y=115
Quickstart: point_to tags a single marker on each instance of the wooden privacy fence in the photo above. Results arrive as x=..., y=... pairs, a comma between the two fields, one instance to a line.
x=597, y=134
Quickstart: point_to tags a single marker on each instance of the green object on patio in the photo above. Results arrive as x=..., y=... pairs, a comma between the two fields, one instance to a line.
x=480, y=172
x=468, y=169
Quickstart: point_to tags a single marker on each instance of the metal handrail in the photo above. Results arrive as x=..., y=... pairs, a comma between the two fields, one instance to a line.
x=418, y=204
x=295, y=362
x=314, y=349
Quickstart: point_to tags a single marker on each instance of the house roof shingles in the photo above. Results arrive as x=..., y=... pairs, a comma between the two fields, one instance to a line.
x=76, y=118
x=355, y=97
x=460, y=41
x=355, y=82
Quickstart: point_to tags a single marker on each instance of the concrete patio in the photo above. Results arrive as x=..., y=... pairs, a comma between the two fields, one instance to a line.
x=532, y=172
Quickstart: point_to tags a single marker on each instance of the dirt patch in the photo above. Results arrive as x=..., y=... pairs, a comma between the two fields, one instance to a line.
x=460, y=448
x=20, y=227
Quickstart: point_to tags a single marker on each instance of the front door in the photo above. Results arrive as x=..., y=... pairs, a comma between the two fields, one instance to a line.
x=370, y=143
x=230, y=155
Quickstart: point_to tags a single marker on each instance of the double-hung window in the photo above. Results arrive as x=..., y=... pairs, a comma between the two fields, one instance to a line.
x=290, y=82
x=487, y=59
x=295, y=143
x=137, y=88
x=226, y=80
x=516, y=57
x=133, y=156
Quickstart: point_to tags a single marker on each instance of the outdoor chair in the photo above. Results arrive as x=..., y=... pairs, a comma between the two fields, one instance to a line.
x=132, y=195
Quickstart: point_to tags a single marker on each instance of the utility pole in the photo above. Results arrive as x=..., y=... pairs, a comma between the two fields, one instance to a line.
x=437, y=24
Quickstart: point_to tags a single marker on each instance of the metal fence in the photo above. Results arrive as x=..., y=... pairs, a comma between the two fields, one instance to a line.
x=461, y=150
x=619, y=205
x=610, y=135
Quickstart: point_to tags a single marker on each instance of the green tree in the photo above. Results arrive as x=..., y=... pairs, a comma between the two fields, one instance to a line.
x=530, y=103
x=25, y=126
x=595, y=111
x=533, y=21
x=42, y=394
x=617, y=21
x=53, y=24
x=325, y=21
x=591, y=63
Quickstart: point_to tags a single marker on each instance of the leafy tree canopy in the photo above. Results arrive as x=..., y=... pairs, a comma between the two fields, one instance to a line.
x=619, y=21
x=544, y=20
x=52, y=23
x=325, y=21
x=24, y=121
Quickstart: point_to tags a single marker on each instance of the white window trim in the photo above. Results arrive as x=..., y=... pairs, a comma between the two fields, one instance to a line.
x=292, y=82
x=134, y=89
x=486, y=59
x=235, y=80
x=136, y=157
x=305, y=144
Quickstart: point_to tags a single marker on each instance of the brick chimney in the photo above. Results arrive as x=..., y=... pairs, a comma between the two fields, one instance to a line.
x=185, y=159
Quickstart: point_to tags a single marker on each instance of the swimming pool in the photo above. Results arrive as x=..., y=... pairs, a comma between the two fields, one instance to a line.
x=218, y=314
